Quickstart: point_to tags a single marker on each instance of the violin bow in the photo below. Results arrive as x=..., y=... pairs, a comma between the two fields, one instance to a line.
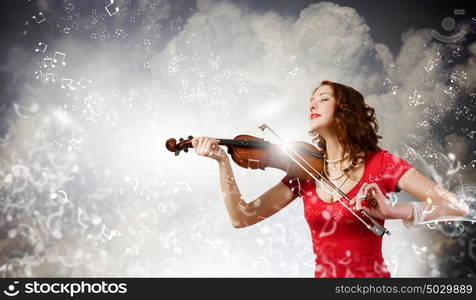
x=376, y=228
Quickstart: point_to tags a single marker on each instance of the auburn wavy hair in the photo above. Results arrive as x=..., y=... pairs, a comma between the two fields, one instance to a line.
x=355, y=122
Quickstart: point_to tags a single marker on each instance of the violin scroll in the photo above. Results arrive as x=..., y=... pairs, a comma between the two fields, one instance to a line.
x=172, y=146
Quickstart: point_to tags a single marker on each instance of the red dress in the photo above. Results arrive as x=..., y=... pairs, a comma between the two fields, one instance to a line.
x=342, y=245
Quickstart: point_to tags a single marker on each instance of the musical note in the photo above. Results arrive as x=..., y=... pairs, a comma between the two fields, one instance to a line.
x=347, y=259
x=153, y=107
x=50, y=76
x=112, y=117
x=144, y=229
x=20, y=110
x=418, y=250
x=81, y=84
x=40, y=18
x=41, y=47
x=133, y=181
x=451, y=92
x=74, y=143
x=394, y=89
x=112, y=9
x=429, y=204
x=176, y=23
x=325, y=230
x=380, y=268
x=110, y=234
x=80, y=217
x=60, y=197
x=260, y=262
x=128, y=102
x=38, y=74
x=472, y=134
x=242, y=90
x=298, y=188
x=55, y=59
x=386, y=82
x=182, y=186
x=132, y=250
x=393, y=199
x=66, y=82
x=47, y=61
x=147, y=44
x=294, y=71
x=453, y=169
x=56, y=230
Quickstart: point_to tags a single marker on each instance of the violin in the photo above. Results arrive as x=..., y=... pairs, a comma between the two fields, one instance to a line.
x=298, y=159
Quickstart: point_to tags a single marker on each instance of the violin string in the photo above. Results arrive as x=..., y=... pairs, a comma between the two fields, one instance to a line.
x=332, y=185
x=376, y=224
x=312, y=175
x=309, y=165
x=342, y=194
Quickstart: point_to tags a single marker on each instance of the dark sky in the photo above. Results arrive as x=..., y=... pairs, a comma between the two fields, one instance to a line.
x=386, y=19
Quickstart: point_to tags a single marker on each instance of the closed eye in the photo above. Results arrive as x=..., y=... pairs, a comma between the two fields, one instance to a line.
x=323, y=99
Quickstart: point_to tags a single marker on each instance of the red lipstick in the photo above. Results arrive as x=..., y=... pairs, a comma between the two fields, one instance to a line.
x=315, y=116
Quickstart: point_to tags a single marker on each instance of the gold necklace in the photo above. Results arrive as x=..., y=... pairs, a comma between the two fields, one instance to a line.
x=335, y=160
x=329, y=176
x=333, y=195
x=335, y=191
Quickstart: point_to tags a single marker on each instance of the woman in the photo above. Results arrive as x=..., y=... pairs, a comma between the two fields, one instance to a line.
x=346, y=128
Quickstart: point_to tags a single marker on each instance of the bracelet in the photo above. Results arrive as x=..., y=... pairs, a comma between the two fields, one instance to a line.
x=416, y=215
x=410, y=216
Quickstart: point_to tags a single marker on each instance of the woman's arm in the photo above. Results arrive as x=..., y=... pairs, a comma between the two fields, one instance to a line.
x=436, y=201
x=241, y=213
x=244, y=214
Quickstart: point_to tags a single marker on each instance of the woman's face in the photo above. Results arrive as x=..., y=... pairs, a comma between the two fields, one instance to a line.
x=321, y=108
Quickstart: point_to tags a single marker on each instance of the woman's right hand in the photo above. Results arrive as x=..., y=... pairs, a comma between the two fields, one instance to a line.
x=208, y=147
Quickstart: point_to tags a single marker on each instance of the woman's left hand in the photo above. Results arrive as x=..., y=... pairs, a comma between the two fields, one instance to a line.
x=379, y=206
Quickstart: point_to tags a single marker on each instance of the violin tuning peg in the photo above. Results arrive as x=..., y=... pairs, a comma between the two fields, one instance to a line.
x=177, y=152
x=185, y=150
x=190, y=137
x=180, y=139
